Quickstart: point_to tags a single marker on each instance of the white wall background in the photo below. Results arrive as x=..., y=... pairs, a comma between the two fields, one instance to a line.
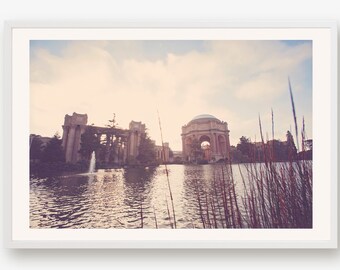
x=105, y=10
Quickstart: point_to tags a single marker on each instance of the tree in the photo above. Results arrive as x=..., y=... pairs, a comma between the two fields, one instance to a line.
x=53, y=151
x=308, y=144
x=246, y=148
x=112, y=123
x=279, y=151
x=146, y=151
x=291, y=148
x=35, y=147
x=236, y=155
x=307, y=150
x=89, y=143
x=109, y=145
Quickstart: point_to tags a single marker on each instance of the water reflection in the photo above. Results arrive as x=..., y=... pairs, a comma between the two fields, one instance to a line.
x=123, y=198
x=204, y=195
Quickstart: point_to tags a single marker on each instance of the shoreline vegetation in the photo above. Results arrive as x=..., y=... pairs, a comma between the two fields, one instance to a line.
x=244, y=153
x=57, y=168
x=47, y=156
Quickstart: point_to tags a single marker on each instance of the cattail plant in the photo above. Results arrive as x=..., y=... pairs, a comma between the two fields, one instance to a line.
x=275, y=194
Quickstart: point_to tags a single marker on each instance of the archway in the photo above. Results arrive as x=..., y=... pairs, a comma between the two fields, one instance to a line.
x=212, y=135
x=205, y=142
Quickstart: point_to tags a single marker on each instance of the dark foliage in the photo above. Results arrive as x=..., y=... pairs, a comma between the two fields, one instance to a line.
x=146, y=150
x=36, y=148
x=89, y=143
x=53, y=151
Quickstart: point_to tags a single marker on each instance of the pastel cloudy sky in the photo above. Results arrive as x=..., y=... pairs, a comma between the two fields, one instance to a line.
x=233, y=80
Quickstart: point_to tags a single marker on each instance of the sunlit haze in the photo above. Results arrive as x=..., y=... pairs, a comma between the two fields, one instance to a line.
x=236, y=81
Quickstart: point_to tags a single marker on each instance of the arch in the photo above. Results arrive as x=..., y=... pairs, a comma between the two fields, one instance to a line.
x=205, y=138
x=205, y=141
x=206, y=128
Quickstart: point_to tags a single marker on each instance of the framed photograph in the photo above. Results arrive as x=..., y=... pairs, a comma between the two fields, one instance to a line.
x=171, y=135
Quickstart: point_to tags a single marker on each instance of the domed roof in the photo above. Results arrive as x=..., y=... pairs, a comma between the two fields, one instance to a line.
x=204, y=116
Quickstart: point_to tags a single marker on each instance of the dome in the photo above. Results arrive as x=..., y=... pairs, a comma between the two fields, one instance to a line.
x=204, y=116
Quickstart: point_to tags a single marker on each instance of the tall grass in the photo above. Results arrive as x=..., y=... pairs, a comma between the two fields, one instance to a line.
x=274, y=195
x=167, y=178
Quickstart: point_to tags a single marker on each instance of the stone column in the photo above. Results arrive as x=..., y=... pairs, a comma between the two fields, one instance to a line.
x=131, y=143
x=183, y=148
x=125, y=152
x=73, y=127
x=218, y=148
x=117, y=151
x=76, y=144
x=82, y=131
x=228, y=145
x=139, y=138
x=70, y=144
x=212, y=144
x=107, y=148
x=215, y=152
x=65, y=136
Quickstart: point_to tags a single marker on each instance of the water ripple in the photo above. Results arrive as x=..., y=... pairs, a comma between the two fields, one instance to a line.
x=119, y=198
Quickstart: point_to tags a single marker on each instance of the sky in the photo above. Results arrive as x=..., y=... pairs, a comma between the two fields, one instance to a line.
x=236, y=81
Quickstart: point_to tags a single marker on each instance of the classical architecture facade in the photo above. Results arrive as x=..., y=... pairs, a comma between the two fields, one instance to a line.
x=163, y=153
x=136, y=129
x=74, y=126
x=126, y=141
x=211, y=133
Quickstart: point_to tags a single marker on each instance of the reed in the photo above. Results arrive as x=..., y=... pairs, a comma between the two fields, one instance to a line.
x=141, y=215
x=274, y=194
x=168, y=211
x=167, y=173
x=155, y=217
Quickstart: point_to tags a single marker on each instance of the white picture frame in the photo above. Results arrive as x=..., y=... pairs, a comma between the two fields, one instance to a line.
x=16, y=127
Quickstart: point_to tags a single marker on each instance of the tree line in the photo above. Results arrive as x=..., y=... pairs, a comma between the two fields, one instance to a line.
x=50, y=151
x=106, y=149
x=276, y=150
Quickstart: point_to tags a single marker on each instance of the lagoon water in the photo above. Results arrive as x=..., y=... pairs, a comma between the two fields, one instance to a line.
x=122, y=198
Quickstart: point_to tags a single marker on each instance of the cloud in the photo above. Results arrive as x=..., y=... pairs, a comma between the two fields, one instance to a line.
x=233, y=80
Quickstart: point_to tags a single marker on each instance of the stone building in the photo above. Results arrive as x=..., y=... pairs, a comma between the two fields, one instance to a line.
x=211, y=133
x=136, y=129
x=177, y=157
x=74, y=126
x=127, y=139
x=163, y=153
